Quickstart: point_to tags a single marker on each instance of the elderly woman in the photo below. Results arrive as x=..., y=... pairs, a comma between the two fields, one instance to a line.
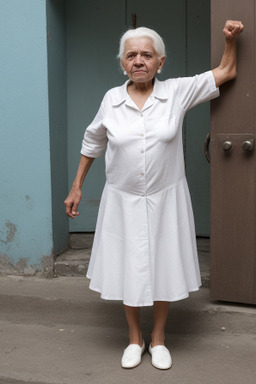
x=144, y=250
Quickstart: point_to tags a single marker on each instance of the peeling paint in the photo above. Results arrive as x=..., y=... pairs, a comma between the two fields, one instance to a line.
x=47, y=263
x=23, y=268
x=30, y=204
x=11, y=229
x=21, y=265
x=6, y=267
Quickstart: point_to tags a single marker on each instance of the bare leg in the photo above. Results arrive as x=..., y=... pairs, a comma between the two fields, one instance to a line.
x=161, y=309
x=133, y=320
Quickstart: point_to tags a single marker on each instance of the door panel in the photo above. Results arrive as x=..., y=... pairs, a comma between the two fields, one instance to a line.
x=198, y=119
x=233, y=179
x=93, y=31
x=168, y=18
x=92, y=69
x=185, y=26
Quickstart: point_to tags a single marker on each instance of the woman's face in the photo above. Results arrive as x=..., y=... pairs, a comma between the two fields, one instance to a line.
x=140, y=59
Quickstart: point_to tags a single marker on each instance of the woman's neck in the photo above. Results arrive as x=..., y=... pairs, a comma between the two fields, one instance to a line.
x=139, y=92
x=142, y=88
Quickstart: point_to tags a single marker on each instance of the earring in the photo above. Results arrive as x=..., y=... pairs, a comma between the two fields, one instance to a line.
x=159, y=71
x=125, y=73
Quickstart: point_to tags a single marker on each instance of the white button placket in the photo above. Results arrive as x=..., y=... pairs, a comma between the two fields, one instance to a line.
x=142, y=152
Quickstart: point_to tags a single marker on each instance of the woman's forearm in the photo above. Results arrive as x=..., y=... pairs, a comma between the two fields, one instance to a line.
x=227, y=69
x=74, y=197
x=83, y=168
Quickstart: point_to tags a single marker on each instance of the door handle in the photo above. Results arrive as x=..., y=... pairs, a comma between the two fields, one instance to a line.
x=248, y=145
x=206, y=147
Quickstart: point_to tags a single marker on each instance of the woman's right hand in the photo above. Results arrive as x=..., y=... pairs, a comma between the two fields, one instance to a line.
x=72, y=202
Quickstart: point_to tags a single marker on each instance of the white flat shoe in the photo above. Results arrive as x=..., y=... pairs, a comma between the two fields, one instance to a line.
x=161, y=357
x=132, y=355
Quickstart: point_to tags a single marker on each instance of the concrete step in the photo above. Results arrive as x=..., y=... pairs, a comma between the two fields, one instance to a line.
x=81, y=240
x=72, y=263
x=75, y=261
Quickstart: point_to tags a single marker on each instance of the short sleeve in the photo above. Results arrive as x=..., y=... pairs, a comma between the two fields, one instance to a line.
x=95, y=136
x=197, y=89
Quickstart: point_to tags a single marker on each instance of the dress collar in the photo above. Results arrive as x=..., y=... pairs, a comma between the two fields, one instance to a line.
x=121, y=95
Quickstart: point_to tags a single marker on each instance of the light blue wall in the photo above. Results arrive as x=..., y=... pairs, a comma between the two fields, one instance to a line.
x=25, y=175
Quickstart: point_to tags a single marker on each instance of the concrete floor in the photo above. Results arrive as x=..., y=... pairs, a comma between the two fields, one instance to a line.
x=59, y=332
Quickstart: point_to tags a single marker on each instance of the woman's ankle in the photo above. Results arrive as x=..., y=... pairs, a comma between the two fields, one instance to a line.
x=157, y=339
x=136, y=338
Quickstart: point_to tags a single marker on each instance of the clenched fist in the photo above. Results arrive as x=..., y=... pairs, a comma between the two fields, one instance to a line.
x=232, y=29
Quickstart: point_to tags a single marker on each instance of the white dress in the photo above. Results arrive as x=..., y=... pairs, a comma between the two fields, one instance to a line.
x=144, y=247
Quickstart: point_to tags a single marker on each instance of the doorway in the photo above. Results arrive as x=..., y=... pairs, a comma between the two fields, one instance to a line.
x=93, y=31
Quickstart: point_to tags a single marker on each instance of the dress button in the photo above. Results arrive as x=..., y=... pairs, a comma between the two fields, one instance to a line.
x=142, y=174
x=142, y=135
x=142, y=151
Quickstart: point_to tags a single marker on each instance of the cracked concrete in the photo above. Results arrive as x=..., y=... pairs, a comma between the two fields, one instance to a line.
x=11, y=229
x=57, y=331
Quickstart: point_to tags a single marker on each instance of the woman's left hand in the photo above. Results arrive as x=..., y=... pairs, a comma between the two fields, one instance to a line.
x=232, y=29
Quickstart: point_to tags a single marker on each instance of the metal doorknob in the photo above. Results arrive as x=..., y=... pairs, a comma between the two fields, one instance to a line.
x=248, y=145
x=227, y=145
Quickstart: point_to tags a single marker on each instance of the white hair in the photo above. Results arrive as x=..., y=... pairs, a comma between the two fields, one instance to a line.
x=142, y=32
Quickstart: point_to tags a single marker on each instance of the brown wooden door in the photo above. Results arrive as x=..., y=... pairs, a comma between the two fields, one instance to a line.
x=233, y=179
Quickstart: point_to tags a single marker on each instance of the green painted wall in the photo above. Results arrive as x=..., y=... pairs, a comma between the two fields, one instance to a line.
x=92, y=69
x=198, y=119
x=57, y=69
x=93, y=30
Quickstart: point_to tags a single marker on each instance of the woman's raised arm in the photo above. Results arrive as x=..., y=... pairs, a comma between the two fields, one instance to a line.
x=227, y=69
